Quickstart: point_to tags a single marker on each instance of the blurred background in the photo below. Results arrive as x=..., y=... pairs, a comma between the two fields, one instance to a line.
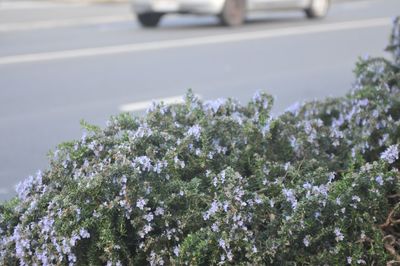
x=63, y=61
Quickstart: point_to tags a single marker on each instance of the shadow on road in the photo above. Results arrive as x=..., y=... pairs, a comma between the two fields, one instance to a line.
x=188, y=22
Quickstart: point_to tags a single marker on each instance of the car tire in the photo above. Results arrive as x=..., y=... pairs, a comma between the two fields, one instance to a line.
x=317, y=9
x=233, y=13
x=149, y=20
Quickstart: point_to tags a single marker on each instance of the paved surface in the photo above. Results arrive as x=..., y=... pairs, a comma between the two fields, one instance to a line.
x=60, y=63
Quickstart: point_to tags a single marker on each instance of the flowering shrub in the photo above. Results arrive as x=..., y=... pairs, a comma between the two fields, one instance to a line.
x=219, y=183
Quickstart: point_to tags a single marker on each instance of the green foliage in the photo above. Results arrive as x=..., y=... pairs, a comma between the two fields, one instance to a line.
x=206, y=183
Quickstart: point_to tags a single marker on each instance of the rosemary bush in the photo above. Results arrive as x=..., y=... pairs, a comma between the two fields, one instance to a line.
x=206, y=183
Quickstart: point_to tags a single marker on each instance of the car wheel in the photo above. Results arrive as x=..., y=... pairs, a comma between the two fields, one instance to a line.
x=317, y=9
x=149, y=19
x=233, y=13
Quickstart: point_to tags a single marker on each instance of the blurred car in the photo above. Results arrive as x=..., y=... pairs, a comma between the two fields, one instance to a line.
x=230, y=12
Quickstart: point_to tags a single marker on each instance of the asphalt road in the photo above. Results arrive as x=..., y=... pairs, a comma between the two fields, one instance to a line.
x=60, y=63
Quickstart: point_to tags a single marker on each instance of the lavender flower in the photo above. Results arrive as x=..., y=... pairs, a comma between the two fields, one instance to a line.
x=214, y=105
x=178, y=162
x=379, y=180
x=143, y=162
x=338, y=235
x=391, y=154
x=290, y=197
x=214, y=227
x=149, y=217
x=46, y=224
x=356, y=198
x=25, y=187
x=307, y=185
x=141, y=203
x=194, y=131
x=331, y=177
x=176, y=251
x=258, y=97
x=84, y=233
x=294, y=108
x=222, y=243
x=363, y=102
x=306, y=240
x=142, y=132
x=213, y=209
x=159, y=211
x=147, y=228
x=338, y=201
x=74, y=239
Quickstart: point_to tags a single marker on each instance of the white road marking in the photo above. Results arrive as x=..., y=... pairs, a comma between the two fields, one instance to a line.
x=196, y=41
x=138, y=106
x=51, y=24
x=4, y=191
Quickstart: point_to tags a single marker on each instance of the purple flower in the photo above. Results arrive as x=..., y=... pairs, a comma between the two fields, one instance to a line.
x=349, y=260
x=290, y=197
x=179, y=162
x=142, y=131
x=391, y=154
x=254, y=249
x=83, y=138
x=221, y=243
x=74, y=239
x=194, y=131
x=143, y=162
x=356, y=198
x=159, y=166
x=379, y=180
x=176, y=251
x=213, y=209
x=258, y=97
x=294, y=108
x=331, y=177
x=159, y=211
x=307, y=185
x=338, y=201
x=363, y=102
x=46, y=224
x=149, y=217
x=338, y=234
x=214, y=227
x=25, y=187
x=214, y=105
x=147, y=228
x=84, y=233
x=141, y=203
x=72, y=259
x=306, y=240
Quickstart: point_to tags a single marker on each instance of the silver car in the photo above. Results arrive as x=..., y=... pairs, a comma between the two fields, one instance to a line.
x=230, y=12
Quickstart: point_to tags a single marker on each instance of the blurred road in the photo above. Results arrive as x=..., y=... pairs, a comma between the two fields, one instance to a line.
x=60, y=63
